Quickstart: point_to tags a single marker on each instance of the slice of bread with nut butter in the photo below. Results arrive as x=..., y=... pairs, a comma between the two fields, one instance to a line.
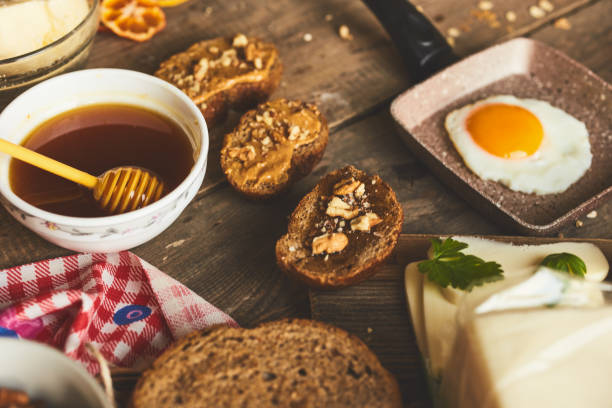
x=224, y=73
x=273, y=146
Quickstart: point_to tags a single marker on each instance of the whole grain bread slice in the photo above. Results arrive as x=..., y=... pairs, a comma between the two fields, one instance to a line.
x=288, y=363
x=273, y=146
x=223, y=73
x=340, y=231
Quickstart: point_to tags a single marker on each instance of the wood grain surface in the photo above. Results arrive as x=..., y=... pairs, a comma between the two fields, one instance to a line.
x=222, y=245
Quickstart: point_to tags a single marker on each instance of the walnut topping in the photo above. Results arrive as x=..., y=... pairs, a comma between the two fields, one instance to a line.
x=200, y=69
x=347, y=186
x=267, y=118
x=365, y=222
x=294, y=132
x=240, y=40
x=250, y=51
x=329, y=243
x=243, y=153
x=360, y=191
x=338, y=208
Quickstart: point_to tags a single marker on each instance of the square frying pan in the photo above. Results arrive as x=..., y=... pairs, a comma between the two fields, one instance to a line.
x=522, y=67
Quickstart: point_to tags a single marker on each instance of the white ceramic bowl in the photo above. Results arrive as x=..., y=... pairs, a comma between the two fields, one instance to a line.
x=46, y=374
x=95, y=86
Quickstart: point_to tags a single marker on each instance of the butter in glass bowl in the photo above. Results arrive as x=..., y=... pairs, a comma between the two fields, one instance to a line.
x=42, y=38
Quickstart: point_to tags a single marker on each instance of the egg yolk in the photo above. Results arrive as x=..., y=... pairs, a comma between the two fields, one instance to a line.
x=506, y=131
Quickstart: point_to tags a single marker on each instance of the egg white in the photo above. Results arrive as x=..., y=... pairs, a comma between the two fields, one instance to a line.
x=562, y=158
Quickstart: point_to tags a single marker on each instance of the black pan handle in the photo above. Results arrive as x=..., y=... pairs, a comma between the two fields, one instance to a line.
x=423, y=48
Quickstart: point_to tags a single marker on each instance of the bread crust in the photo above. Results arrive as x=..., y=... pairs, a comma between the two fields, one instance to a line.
x=198, y=349
x=181, y=70
x=292, y=261
x=303, y=159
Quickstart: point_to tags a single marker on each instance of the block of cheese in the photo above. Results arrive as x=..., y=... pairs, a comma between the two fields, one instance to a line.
x=437, y=322
x=546, y=357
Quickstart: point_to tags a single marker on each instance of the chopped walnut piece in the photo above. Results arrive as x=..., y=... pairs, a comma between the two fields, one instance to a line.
x=365, y=222
x=250, y=51
x=329, y=243
x=240, y=40
x=346, y=186
x=338, y=208
x=563, y=24
x=200, y=69
x=243, y=153
x=360, y=191
x=294, y=132
x=345, y=33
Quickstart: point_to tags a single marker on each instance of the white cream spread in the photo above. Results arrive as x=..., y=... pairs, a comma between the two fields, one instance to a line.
x=27, y=26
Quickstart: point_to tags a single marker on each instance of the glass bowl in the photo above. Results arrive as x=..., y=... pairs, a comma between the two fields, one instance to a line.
x=68, y=52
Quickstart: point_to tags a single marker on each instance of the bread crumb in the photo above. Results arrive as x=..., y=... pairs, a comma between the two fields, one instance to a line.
x=308, y=37
x=592, y=214
x=454, y=32
x=345, y=33
x=176, y=244
x=369, y=330
x=373, y=181
x=326, y=258
x=563, y=24
x=546, y=5
x=450, y=41
x=536, y=12
x=208, y=11
x=485, y=5
x=511, y=16
x=329, y=17
x=419, y=8
x=579, y=223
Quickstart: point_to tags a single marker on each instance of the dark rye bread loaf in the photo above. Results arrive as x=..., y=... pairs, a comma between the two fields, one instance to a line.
x=273, y=146
x=340, y=231
x=224, y=73
x=288, y=363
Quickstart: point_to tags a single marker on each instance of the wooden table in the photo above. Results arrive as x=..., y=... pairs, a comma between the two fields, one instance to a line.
x=222, y=246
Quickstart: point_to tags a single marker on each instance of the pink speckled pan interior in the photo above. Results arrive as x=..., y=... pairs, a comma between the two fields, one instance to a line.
x=525, y=69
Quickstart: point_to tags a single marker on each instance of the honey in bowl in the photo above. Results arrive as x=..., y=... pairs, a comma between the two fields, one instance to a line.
x=95, y=139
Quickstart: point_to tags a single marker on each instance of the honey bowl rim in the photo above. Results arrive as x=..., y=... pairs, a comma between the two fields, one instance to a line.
x=108, y=74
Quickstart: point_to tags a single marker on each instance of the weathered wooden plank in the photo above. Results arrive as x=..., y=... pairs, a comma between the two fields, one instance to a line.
x=476, y=24
x=588, y=39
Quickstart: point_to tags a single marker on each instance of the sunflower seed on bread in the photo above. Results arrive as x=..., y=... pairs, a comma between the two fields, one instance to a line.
x=223, y=73
x=340, y=231
x=287, y=363
x=273, y=146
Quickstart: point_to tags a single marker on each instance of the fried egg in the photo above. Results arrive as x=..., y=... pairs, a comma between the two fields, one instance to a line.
x=526, y=144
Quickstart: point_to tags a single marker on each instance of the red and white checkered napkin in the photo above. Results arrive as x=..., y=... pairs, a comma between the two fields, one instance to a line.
x=125, y=307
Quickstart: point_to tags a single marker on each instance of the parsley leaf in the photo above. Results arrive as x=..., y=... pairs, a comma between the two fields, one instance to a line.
x=450, y=266
x=565, y=262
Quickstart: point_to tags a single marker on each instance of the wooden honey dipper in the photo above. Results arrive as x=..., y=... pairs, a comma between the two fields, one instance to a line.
x=117, y=190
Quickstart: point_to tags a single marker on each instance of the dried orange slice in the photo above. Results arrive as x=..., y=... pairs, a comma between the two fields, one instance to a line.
x=138, y=20
x=169, y=3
